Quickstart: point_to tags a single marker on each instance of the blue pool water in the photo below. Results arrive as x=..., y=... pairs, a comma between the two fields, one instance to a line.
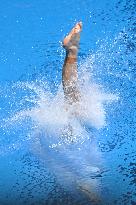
x=48, y=156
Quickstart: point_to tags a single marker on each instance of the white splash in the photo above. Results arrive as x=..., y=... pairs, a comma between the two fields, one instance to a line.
x=49, y=112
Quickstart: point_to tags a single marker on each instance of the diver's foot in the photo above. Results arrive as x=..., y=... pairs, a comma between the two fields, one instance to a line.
x=72, y=39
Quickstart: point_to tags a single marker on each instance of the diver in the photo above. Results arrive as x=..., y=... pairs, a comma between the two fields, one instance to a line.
x=69, y=72
x=72, y=96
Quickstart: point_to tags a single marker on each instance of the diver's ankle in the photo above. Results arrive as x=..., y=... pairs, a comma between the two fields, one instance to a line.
x=72, y=51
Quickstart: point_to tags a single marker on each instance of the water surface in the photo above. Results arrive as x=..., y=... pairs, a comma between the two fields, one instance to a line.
x=41, y=162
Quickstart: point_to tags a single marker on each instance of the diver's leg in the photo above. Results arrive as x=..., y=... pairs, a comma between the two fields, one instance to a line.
x=69, y=73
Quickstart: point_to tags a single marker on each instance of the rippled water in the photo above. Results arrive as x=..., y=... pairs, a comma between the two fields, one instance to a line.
x=49, y=154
